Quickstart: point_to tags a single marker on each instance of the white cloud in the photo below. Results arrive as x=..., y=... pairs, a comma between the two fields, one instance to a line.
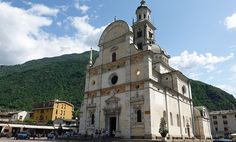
x=87, y=33
x=228, y=88
x=195, y=76
x=22, y=37
x=59, y=24
x=83, y=8
x=233, y=68
x=42, y=10
x=194, y=61
x=230, y=21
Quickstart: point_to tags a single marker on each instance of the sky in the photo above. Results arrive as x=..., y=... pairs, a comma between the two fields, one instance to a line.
x=199, y=35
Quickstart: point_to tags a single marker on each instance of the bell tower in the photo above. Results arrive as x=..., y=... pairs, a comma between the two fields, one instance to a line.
x=144, y=30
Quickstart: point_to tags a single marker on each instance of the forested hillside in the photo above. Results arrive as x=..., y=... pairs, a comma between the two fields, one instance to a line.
x=64, y=77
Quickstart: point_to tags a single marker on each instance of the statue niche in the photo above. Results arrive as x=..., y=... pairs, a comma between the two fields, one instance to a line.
x=112, y=106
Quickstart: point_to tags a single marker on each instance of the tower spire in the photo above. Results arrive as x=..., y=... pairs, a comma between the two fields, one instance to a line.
x=143, y=29
x=91, y=57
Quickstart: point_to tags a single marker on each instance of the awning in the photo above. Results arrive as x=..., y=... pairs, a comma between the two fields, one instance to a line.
x=233, y=134
x=38, y=127
x=3, y=125
x=16, y=125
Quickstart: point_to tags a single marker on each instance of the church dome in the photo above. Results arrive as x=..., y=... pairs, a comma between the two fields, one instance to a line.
x=196, y=112
x=157, y=49
x=143, y=6
x=201, y=111
x=115, y=30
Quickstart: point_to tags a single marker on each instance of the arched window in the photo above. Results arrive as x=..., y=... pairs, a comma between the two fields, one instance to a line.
x=92, y=119
x=171, y=119
x=183, y=89
x=139, y=116
x=178, y=121
x=41, y=117
x=139, y=16
x=137, y=89
x=139, y=33
x=113, y=57
x=140, y=46
x=184, y=121
x=144, y=16
x=190, y=122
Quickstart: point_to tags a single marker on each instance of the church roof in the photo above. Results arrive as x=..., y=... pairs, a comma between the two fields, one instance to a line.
x=114, y=30
x=178, y=73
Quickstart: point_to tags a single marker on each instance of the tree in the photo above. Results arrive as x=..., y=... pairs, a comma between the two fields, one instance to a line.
x=29, y=121
x=50, y=122
x=76, y=113
x=163, y=128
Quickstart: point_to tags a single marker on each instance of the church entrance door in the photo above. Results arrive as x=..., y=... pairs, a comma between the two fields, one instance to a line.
x=112, y=126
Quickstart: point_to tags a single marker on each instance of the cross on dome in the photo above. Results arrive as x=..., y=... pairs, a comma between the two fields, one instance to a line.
x=143, y=2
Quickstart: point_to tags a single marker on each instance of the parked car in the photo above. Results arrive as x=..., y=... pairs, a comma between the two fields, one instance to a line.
x=23, y=135
x=66, y=134
x=51, y=135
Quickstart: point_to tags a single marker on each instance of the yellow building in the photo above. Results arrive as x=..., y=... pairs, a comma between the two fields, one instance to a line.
x=49, y=111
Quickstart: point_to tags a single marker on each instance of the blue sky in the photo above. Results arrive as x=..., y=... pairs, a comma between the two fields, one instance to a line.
x=200, y=35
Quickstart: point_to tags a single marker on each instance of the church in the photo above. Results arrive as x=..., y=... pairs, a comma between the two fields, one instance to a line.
x=131, y=86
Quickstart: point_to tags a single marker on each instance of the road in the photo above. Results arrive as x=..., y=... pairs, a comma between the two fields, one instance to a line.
x=39, y=140
x=31, y=140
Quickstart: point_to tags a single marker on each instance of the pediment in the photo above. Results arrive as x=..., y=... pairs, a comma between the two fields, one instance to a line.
x=112, y=99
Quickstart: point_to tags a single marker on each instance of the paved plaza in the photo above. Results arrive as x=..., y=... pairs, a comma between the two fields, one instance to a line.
x=91, y=140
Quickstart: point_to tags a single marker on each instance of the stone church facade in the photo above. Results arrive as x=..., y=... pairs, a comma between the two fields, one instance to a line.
x=131, y=85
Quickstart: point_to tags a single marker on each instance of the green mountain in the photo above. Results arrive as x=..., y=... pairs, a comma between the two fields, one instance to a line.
x=63, y=78
x=211, y=97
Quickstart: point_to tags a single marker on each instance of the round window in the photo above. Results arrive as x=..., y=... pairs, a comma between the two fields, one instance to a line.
x=114, y=79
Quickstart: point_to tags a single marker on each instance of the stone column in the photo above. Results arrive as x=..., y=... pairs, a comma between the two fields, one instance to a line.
x=180, y=120
x=106, y=121
x=118, y=133
x=167, y=112
x=117, y=121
